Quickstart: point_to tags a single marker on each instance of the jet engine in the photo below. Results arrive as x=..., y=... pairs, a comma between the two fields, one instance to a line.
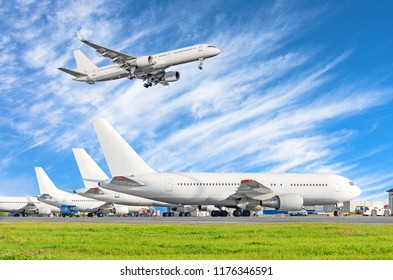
x=42, y=211
x=120, y=210
x=171, y=76
x=285, y=202
x=184, y=208
x=254, y=208
x=144, y=61
x=207, y=208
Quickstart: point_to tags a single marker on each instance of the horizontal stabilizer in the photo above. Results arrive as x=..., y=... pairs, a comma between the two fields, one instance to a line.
x=72, y=72
x=125, y=181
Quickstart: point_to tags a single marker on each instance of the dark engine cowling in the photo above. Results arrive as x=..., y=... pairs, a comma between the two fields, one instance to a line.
x=120, y=210
x=171, y=76
x=144, y=61
x=285, y=202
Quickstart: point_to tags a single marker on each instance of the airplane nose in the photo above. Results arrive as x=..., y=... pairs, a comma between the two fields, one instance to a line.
x=357, y=191
x=218, y=51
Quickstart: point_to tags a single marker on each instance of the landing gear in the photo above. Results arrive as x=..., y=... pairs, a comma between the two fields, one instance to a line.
x=200, y=64
x=147, y=85
x=241, y=212
x=219, y=213
x=168, y=214
x=89, y=215
x=100, y=215
x=185, y=214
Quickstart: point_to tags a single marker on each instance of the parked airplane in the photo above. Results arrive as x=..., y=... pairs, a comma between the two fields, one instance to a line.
x=244, y=191
x=25, y=206
x=92, y=174
x=150, y=68
x=50, y=194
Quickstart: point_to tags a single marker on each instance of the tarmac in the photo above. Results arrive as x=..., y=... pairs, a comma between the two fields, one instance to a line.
x=269, y=219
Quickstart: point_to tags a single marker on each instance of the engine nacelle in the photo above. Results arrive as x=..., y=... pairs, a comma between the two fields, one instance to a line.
x=285, y=202
x=207, y=208
x=120, y=210
x=184, y=208
x=144, y=61
x=171, y=76
x=254, y=208
x=43, y=211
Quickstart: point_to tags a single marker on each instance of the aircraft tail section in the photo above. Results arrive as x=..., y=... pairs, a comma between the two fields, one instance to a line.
x=120, y=156
x=85, y=65
x=45, y=183
x=88, y=168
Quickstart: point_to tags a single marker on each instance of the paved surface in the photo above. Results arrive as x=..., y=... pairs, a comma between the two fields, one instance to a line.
x=208, y=220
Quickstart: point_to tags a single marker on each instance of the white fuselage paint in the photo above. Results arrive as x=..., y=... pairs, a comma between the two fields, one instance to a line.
x=216, y=188
x=120, y=198
x=16, y=203
x=161, y=61
x=82, y=203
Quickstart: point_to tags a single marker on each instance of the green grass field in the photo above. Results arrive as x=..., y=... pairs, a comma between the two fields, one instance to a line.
x=81, y=241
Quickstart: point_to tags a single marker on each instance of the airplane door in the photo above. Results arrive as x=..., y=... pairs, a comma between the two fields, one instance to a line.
x=117, y=195
x=200, y=48
x=168, y=185
x=337, y=186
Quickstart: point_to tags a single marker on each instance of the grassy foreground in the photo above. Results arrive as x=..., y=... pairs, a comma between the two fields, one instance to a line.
x=66, y=241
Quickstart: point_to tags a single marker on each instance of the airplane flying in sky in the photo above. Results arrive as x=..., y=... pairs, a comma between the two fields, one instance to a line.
x=50, y=194
x=244, y=191
x=150, y=68
x=26, y=205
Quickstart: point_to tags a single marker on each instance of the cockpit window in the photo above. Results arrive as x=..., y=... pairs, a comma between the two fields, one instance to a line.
x=351, y=184
x=211, y=46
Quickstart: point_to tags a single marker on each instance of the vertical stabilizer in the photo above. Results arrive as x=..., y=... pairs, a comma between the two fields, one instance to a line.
x=85, y=65
x=88, y=168
x=120, y=156
x=45, y=183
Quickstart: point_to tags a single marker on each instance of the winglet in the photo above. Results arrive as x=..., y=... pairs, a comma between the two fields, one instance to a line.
x=80, y=38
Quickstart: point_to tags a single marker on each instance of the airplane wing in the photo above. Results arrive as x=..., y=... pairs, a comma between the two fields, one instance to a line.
x=251, y=190
x=110, y=54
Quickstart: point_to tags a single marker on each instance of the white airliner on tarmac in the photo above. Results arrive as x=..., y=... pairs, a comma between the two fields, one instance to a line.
x=92, y=174
x=50, y=194
x=150, y=68
x=243, y=191
x=26, y=205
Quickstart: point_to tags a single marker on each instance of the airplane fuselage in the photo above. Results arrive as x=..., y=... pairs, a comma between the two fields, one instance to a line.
x=151, y=64
x=119, y=198
x=21, y=204
x=217, y=188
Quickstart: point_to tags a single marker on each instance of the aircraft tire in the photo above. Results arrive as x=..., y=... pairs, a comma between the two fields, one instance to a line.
x=246, y=213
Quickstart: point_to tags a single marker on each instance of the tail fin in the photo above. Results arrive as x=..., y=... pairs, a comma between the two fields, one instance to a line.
x=120, y=156
x=85, y=65
x=45, y=183
x=88, y=168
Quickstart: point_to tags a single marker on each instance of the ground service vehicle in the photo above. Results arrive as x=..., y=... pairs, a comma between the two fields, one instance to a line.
x=375, y=211
x=69, y=210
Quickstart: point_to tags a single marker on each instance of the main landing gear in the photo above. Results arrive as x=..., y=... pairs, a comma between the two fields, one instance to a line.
x=219, y=213
x=200, y=64
x=241, y=213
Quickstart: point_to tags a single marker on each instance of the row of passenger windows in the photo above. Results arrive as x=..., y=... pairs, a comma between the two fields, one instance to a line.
x=237, y=184
x=208, y=184
x=20, y=202
x=308, y=185
x=81, y=200
x=186, y=50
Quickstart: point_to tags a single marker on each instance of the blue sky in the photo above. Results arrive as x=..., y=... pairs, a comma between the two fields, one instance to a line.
x=300, y=86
